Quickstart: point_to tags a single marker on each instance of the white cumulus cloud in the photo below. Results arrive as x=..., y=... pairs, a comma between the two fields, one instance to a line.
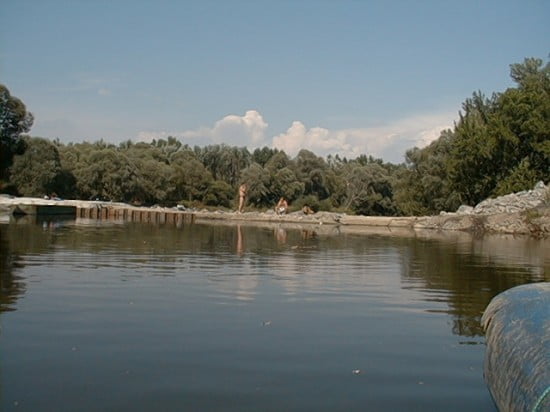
x=389, y=141
x=316, y=139
x=248, y=130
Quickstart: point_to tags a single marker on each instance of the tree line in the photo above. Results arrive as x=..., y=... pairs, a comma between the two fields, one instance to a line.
x=499, y=144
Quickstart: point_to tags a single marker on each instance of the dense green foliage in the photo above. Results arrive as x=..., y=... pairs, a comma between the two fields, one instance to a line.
x=502, y=144
x=14, y=120
x=498, y=145
x=38, y=169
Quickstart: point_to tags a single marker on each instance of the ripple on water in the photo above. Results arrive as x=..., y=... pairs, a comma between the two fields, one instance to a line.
x=279, y=326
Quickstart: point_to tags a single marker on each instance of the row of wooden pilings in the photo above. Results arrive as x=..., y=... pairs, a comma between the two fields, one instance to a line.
x=161, y=216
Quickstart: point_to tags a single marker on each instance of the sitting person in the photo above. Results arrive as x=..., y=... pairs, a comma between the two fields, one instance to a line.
x=306, y=210
x=282, y=206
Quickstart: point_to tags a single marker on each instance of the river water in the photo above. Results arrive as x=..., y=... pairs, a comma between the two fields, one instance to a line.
x=136, y=317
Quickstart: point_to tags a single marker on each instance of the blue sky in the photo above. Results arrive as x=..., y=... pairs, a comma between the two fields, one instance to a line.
x=347, y=77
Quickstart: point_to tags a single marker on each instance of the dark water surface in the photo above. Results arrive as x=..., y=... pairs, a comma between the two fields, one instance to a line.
x=114, y=317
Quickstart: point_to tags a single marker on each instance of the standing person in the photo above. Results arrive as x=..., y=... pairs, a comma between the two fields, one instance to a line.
x=243, y=190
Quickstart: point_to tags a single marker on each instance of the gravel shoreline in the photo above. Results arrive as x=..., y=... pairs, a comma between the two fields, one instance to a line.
x=534, y=221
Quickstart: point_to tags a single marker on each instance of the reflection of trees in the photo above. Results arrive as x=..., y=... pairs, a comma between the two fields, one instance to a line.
x=27, y=235
x=458, y=275
x=466, y=276
x=11, y=286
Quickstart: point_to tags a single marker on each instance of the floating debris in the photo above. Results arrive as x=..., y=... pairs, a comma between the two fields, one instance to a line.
x=266, y=323
x=356, y=371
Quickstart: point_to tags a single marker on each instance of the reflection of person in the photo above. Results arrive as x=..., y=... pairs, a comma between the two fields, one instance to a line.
x=282, y=206
x=308, y=234
x=239, y=241
x=280, y=235
x=243, y=190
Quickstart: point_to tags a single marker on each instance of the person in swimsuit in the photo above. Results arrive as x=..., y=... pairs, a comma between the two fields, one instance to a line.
x=282, y=206
x=243, y=190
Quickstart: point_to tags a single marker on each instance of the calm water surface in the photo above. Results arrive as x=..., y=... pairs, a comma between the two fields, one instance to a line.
x=126, y=317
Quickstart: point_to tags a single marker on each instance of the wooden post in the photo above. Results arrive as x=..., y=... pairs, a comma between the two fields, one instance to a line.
x=170, y=218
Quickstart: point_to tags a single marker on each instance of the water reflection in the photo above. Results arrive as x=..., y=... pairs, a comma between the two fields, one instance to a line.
x=240, y=247
x=308, y=234
x=464, y=277
x=260, y=317
x=11, y=285
x=25, y=235
x=280, y=234
x=455, y=273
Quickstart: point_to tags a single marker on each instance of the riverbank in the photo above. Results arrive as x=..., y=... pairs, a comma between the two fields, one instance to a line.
x=525, y=213
x=534, y=222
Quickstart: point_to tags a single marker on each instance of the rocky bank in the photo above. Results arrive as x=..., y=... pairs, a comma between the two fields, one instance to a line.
x=526, y=213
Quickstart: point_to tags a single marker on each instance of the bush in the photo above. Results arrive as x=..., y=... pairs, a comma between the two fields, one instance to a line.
x=310, y=200
x=219, y=193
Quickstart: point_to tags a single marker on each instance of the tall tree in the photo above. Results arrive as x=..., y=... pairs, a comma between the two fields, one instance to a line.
x=422, y=187
x=502, y=143
x=311, y=169
x=258, y=180
x=14, y=120
x=278, y=161
x=263, y=155
x=232, y=161
x=524, y=115
x=36, y=172
x=285, y=184
x=189, y=177
x=369, y=190
x=218, y=193
x=105, y=173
